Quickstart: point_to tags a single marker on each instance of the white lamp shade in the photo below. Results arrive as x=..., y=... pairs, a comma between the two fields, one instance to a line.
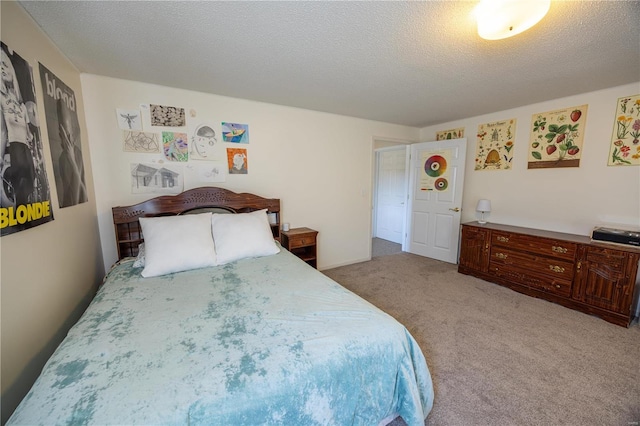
x=484, y=206
x=499, y=19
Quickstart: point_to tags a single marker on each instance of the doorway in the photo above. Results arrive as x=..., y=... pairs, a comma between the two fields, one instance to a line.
x=390, y=199
x=431, y=223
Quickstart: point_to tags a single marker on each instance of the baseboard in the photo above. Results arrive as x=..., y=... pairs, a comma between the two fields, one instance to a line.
x=337, y=265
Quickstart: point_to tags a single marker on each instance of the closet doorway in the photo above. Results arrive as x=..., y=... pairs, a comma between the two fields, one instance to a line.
x=390, y=199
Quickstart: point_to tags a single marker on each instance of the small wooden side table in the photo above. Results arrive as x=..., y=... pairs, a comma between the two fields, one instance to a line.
x=302, y=242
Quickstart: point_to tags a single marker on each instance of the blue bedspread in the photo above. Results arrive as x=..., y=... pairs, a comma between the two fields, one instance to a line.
x=258, y=341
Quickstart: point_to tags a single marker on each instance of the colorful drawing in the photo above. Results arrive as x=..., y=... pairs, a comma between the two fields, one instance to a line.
x=166, y=116
x=236, y=133
x=134, y=141
x=556, y=138
x=625, y=141
x=495, y=143
x=175, y=146
x=434, y=175
x=237, y=161
x=450, y=134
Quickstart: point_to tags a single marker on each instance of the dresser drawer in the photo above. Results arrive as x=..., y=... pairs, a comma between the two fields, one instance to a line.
x=301, y=241
x=531, y=279
x=539, y=265
x=545, y=246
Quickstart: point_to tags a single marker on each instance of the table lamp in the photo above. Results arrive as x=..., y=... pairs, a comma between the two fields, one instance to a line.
x=484, y=206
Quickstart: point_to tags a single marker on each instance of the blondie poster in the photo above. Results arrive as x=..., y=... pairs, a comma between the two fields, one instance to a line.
x=64, y=139
x=25, y=200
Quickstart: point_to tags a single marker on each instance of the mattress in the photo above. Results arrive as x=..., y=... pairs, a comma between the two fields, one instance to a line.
x=267, y=340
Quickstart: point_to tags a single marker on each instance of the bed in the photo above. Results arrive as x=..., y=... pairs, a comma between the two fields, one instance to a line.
x=258, y=339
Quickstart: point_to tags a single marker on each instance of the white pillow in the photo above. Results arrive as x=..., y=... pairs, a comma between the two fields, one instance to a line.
x=241, y=235
x=177, y=243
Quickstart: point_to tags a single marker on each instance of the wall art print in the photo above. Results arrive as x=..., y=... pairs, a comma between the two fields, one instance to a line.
x=556, y=138
x=237, y=161
x=175, y=146
x=129, y=119
x=25, y=198
x=64, y=139
x=234, y=132
x=206, y=172
x=495, y=142
x=204, y=144
x=450, y=134
x=144, y=142
x=625, y=141
x=166, y=116
x=156, y=178
x=434, y=174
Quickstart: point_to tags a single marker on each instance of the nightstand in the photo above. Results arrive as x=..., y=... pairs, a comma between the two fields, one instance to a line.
x=302, y=243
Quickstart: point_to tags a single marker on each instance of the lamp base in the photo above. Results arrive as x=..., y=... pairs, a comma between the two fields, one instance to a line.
x=482, y=221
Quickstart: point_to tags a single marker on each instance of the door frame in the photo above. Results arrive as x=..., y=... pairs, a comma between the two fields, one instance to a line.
x=374, y=208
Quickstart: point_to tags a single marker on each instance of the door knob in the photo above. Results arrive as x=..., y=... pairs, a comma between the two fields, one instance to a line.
x=456, y=209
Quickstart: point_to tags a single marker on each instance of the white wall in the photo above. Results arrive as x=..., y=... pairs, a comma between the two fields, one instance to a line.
x=50, y=272
x=319, y=165
x=571, y=200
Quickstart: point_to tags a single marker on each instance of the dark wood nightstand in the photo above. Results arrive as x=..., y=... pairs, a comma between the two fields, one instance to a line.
x=302, y=243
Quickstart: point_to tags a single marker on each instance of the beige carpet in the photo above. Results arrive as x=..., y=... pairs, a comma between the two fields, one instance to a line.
x=498, y=357
x=380, y=247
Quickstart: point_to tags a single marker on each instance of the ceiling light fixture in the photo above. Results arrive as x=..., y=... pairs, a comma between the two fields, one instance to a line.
x=499, y=19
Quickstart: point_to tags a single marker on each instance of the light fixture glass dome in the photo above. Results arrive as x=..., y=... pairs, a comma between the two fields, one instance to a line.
x=499, y=19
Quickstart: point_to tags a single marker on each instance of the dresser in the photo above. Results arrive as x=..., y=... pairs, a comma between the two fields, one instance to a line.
x=571, y=270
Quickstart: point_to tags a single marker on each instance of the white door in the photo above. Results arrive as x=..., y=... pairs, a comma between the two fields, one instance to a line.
x=435, y=198
x=391, y=193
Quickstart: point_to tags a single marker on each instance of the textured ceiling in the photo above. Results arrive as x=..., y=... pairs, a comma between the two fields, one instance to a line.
x=411, y=63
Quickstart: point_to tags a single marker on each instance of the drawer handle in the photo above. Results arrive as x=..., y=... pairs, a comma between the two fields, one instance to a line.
x=503, y=239
x=556, y=268
x=501, y=255
x=558, y=249
x=557, y=285
x=302, y=241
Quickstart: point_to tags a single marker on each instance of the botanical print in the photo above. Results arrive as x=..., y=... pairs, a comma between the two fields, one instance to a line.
x=134, y=141
x=129, y=119
x=166, y=116
x=25, y=199
x=175, y=146
x=434, y=175
x=495, y=143
x=556, y=138
x=450, y=134
x=237, y=161
x=204, y=143
x=625, y=142
x=234, y=132
x=156, y=179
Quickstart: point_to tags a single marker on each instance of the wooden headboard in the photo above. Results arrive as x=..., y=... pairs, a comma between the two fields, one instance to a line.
x=127, y=227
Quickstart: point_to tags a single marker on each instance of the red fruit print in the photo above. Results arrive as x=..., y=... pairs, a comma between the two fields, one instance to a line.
x=551, y=149
x=561, y=138
x=573, y=150
x=575, y=115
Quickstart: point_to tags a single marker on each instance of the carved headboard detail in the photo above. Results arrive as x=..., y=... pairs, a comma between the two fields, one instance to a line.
x=127, y=227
